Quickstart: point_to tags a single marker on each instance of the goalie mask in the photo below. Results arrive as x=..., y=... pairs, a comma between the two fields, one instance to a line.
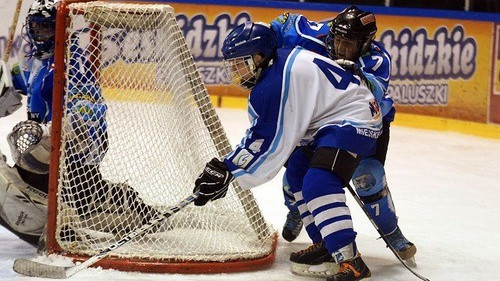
x=240, y=48
x=351, y=33
x=41, y=27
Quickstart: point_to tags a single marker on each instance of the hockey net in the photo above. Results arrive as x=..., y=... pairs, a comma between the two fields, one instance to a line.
x=141, y=149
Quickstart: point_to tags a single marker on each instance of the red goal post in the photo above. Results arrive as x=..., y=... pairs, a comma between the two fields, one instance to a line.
x=160, y=131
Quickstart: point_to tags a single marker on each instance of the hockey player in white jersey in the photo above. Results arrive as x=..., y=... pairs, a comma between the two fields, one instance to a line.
x=348, y=39
x=299, y=98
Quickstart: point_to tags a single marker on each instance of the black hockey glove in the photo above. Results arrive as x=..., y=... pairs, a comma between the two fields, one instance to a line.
x=354, y=69
x=213, y=182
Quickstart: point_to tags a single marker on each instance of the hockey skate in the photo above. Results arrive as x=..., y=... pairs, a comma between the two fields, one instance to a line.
x=293, y=226
x=404, y=248
x=352, y=270
x=313, y=261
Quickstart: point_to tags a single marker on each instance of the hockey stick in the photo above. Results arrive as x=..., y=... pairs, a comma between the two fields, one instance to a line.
x=36, y=269
x=358, y=200
x=12, y=31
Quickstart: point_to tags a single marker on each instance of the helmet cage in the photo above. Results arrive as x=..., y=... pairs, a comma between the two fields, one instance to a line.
x=241, y=71
x=41, y=33
x=239, y=47
x=362, y=44
x=40, y=27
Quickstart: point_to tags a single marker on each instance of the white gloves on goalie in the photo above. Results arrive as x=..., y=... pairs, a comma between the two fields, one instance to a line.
x=29, y=144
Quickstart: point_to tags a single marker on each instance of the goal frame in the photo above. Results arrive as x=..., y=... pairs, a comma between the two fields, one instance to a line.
x=133, y=264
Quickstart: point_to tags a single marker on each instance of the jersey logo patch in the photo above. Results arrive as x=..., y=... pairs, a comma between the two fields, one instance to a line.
x=256, y=145
x=242, y=158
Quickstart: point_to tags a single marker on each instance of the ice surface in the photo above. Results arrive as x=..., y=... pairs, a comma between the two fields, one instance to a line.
x=446, y=187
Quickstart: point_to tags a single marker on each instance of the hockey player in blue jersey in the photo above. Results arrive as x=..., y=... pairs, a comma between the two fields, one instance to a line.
x=27, y=180
x=24, y=187
x=301, y=98
x=348, y=39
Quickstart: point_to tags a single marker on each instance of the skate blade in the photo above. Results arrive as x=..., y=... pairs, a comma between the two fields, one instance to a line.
x=411, y=262
x=321, y=270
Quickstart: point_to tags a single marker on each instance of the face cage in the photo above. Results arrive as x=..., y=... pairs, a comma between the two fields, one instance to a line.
x=241, y=72
x=363, y=45
x=41, y=36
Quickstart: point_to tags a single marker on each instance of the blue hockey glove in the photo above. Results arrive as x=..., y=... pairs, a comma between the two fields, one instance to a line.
x=213, y=182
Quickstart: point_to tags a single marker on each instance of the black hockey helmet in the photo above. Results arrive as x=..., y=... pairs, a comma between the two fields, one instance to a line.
x=354, y=24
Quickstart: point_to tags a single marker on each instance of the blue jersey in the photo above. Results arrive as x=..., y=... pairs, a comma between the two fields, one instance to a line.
x=303, y=98
x=295, y=30
x=84, y=101
x=36, y=81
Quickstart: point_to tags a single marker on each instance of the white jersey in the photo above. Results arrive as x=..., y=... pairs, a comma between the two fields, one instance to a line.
x=297, y=100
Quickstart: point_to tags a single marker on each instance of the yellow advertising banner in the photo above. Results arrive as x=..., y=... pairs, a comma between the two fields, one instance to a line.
x=495, y=78
x=440, y=66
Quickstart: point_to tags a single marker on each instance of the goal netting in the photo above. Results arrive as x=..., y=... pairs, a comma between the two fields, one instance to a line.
x=133, y=131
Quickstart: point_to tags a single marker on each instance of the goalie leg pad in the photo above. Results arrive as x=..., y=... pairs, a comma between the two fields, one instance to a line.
x=23, y=209
x=371, y=186
x=116, y=207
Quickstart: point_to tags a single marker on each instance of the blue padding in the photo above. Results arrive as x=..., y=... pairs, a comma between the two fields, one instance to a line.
x=369, y=180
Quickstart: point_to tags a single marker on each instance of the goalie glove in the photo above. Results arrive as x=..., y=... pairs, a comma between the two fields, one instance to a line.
x=355, y=70
x=29, y=144
x=213, y=182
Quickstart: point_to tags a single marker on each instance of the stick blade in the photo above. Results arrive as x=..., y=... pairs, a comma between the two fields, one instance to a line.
x=36, y=269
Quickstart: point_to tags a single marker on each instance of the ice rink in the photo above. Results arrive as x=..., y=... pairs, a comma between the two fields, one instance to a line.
x=446, y=188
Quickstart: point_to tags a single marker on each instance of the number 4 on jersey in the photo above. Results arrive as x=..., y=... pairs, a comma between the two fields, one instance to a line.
x=339, y=78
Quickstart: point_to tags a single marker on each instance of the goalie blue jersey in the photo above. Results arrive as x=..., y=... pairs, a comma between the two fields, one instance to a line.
x=84, y=101
x=296, y=30
x=303, y=98
x=35, y=80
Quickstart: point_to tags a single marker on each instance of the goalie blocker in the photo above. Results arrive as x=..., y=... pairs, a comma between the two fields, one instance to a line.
x=10, y=99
